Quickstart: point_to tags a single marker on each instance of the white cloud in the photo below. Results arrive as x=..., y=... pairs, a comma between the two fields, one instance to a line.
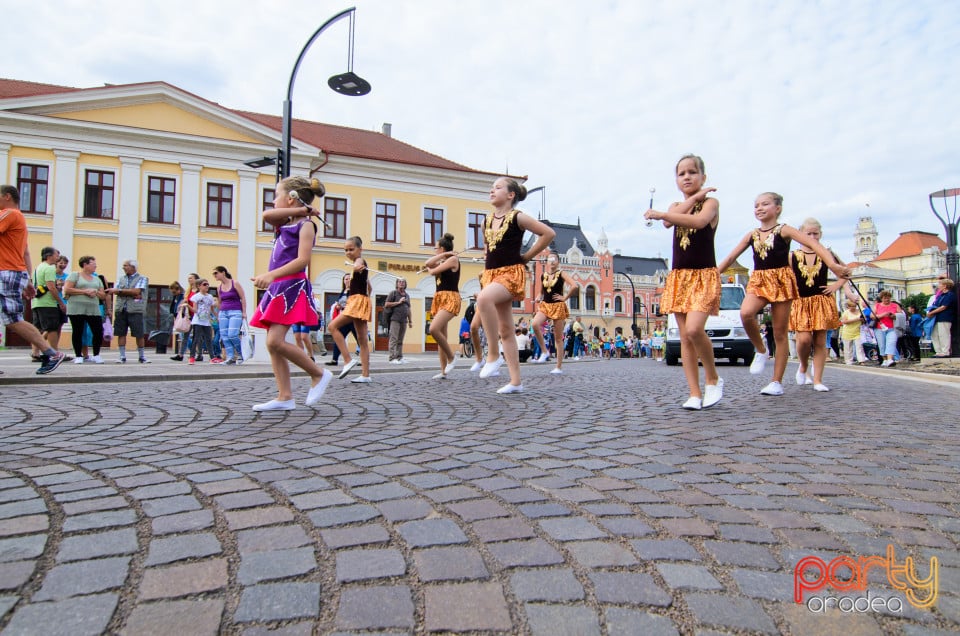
x=831, y=104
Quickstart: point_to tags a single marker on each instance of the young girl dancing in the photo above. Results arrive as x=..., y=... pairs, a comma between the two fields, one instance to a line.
x=814, y=312
x=553, y=306
x=692, y=289
x=289, y=298
x=445, y=266
x=504, y=275
x=357, y=311
x=772, y=282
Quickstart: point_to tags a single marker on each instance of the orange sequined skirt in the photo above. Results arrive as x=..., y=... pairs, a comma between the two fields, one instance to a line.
x=773, y=285
x=446, y=301
x=554, y=311
x=814, y=313
x=358, y=306
x=513, y=277
x=689, y=290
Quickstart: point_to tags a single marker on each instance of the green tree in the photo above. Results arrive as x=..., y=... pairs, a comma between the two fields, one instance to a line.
x=917, y=301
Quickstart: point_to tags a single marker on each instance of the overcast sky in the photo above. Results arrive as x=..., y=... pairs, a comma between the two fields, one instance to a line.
x=833, y=104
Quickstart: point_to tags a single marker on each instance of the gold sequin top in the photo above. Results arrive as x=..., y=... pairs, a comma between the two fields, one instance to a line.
x=504, y=243
x=771, y=251
x=692, y=248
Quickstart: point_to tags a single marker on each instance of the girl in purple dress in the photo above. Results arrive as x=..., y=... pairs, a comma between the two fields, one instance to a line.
x=288, y=299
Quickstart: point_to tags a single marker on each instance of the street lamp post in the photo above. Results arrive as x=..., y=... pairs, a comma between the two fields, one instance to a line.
x=348, y=83
x=633, y=303
x=949, y=221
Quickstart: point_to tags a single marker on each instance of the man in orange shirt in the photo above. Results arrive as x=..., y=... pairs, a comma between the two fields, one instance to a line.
x=15, y=283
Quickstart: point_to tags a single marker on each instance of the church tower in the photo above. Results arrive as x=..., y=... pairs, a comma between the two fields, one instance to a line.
x=865, y=240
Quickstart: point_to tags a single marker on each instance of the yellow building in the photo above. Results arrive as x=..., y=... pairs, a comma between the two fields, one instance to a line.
x=151, y=172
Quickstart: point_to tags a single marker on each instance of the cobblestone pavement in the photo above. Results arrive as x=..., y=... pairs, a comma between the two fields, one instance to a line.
x=590, y=504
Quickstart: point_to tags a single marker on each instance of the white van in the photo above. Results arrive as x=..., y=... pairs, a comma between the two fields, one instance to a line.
x=725, y=331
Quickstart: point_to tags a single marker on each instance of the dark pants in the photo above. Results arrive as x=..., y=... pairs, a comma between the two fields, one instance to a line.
x=346, y=331
x=77, y=323
x=202, y=338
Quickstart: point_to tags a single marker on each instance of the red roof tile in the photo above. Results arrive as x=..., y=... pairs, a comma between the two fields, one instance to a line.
x=911, y=244
x=336, y=140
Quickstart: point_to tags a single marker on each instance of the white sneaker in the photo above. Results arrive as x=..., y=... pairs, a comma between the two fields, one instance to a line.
x=450, y=365
x=363, y=379
x=543, y=357
x=556, y=372
x=395, y=361
x=712, y=393
x=490, y=367
x=476, y=366
x=801, y=377
x=823, y=388
x=439, y=376
x=759, y=362
x=276, y=405
x=887, y=363
x=316, y=391
x=693, y=404
x=346, y=369
x=404, y=361
x=96, y=360
x=78, y=360
x=509, y=388
x=774, y=388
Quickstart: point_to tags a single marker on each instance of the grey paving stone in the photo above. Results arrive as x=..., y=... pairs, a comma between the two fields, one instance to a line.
x=198, y=617
x=342, y=515
x=278, y=601
x=375, y=608
x=562, y=620
x=533, y=553
x=6, y=602
x=81, y=616
x=538, y=510
x=83, y=577
x=751, y=534
x=558, y=584
x=15, y=574
x=629, y=622
x=772, y=586
x=170, y=505
x=20, y=548
x=571, y=529
x=256, y=567
x=321, y=499
x=90, y=505
x=629, y=588
x=476, y=509
x=169, y=549
x=354, y=536
x=272, y=538
x=20, y=508
x=359, y=565
x=736, y=553
x=730, y=612
x=625, y=526
x=244, y=499
x=405, y=509
x=96, y=520
x=90, y=546
x=460, y=607
x=182, y=522
x=688, y=577
x=599, y=554
x=429, y=532
x=168, y=489
x=665, y=549
x=300, y=486
x=447, y=564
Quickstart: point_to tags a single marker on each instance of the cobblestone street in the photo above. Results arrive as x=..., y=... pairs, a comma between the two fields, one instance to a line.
x=590, y=504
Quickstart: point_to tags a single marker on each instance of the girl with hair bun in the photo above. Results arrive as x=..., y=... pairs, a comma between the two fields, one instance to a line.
x=814, y=312
x=504, y=275
x=692, y=288
x=553, y=306
x=356, y=311
x=772, y=282
x=445, y=267
x=289, y=298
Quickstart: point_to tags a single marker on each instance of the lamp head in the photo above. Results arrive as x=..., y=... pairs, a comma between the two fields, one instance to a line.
x=349, y=83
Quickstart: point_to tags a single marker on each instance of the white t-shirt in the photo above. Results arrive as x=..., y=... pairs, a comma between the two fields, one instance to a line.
x=203, y=309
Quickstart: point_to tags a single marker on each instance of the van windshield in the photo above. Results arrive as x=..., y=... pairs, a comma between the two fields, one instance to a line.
x=731, y=297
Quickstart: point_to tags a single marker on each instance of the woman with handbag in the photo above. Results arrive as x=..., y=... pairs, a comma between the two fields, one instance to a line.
x=185, y=310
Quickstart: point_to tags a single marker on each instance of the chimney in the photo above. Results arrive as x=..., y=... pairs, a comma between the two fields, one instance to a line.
x=387, y=129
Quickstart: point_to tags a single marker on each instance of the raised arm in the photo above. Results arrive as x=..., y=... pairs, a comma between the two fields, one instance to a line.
x=679, y=213
x=825, y=255
x=736, y=252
